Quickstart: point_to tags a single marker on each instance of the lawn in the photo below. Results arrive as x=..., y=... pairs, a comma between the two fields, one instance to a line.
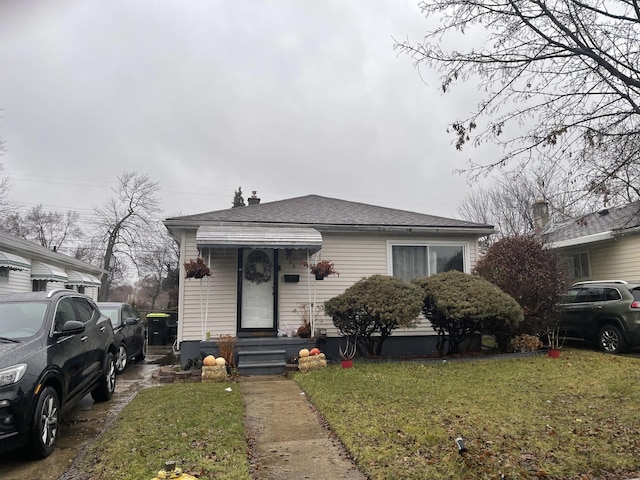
x=199, y=425
x=576, y=417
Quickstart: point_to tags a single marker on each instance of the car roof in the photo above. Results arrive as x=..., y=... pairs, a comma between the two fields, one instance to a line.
x=608, y=283
x=31, y=296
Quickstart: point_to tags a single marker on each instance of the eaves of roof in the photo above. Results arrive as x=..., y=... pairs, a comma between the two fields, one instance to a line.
x=598, y=226
x=20, y=246
x=587, y=239
x=340, y=228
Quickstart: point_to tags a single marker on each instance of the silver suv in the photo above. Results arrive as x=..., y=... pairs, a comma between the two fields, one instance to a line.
x=606, y=312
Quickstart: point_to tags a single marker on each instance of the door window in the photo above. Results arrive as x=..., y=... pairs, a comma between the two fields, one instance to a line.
x=64, y=313
x=85, y=311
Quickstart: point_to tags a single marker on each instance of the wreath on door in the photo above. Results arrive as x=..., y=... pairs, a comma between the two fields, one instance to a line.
x=258, y=267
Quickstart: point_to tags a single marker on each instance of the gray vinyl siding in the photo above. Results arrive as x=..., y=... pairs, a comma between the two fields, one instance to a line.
x=355, y=256
x=216, y=309
x=18, y=281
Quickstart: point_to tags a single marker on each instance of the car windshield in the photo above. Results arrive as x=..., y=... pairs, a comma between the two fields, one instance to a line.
x=21, y=319
x=112, y=313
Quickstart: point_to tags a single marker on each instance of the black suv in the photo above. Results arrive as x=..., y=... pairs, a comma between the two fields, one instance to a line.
x=55, y=347
x=607, y=312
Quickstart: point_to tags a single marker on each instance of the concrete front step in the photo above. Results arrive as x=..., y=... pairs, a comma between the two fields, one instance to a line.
x=261, y=361
x=269, y=367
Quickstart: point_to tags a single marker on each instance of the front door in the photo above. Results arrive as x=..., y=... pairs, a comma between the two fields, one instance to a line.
x=258, y=289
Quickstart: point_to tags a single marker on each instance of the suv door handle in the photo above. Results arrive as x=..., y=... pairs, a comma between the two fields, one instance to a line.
x=102, y=329
x=83, y=339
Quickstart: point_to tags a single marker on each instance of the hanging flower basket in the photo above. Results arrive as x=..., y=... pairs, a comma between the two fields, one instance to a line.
x=322, y=269
x=196, y=268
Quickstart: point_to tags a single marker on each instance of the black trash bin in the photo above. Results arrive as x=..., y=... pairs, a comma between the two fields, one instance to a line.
x=157, y=328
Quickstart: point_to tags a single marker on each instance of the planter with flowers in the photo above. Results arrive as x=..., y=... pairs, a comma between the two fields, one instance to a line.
x=322, y=269
x=199, y=269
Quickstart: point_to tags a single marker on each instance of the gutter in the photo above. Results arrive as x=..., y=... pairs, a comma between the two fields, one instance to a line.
x=572, y=242
x=480, y=231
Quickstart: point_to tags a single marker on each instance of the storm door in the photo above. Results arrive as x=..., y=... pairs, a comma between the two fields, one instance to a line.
x=257, y=289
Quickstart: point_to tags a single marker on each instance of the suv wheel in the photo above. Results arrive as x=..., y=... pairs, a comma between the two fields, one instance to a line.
x=611, y=340
x=107, y=384
x=121, y=358
x=45, y=423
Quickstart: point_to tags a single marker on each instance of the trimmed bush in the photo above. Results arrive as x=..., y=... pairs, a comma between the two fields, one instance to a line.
x=372, y=308
x=458, y=304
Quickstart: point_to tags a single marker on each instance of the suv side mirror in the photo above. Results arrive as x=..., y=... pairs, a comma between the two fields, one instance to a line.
x=72, y=327
x=130, y=321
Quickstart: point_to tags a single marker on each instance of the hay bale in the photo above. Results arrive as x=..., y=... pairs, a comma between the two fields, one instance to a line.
x=314, y=362
x=214, y=373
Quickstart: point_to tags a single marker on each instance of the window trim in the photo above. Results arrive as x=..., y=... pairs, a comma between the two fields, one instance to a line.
x=466, y=256
x=572, y=271
x=4, y=274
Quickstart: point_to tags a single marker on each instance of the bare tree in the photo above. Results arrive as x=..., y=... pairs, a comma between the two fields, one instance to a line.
x=6, y=206
x=53, y=230
x=561, y=80
x=154, y=266
x=125, y=223
x=507, y=203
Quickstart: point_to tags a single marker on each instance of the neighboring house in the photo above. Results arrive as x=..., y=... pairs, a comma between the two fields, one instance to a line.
x=604, y=245
x=26, y=266
x=259, y=285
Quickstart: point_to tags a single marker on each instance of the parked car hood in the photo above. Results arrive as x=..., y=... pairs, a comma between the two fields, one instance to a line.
x=13, y=353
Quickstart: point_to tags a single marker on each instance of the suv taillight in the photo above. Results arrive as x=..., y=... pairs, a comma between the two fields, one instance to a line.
x=635, y=304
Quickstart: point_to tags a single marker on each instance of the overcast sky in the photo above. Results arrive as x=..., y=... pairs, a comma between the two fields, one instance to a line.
x=287, y=98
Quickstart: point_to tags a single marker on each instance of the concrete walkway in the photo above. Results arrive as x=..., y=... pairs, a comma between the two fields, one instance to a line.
x=287, y=438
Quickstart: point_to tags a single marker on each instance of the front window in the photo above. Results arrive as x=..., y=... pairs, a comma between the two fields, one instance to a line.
x=414, y=261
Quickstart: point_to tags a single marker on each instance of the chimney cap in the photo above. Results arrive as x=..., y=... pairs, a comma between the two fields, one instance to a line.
x=253, y=199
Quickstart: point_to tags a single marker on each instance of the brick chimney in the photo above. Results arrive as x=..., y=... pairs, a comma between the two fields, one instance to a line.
x=540, y=215
x=253, y=199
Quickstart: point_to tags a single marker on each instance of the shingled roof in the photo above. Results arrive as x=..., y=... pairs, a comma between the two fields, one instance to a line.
x=318, y=211
x=614, y=220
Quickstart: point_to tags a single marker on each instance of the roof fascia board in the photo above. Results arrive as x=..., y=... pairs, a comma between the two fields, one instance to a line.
x=342, y=228
x=573, y=242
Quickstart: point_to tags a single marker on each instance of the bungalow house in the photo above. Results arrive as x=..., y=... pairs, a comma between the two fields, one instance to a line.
x=26, y=266
x=260, y=289
x=601, y=245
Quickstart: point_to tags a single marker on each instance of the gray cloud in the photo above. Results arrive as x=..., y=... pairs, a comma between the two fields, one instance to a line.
x=284, y=97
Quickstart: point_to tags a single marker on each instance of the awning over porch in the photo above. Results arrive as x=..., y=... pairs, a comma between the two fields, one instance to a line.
x=82, y=279
x=14, y=262
x=258, y=237
x=45, y=271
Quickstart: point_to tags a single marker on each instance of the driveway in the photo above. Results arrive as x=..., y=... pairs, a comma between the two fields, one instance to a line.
x=82, y=424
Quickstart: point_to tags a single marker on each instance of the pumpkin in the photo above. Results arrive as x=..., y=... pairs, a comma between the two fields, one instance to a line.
x=303, y=353
x=314, y=351
x=209, y=361
x=220, y=361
